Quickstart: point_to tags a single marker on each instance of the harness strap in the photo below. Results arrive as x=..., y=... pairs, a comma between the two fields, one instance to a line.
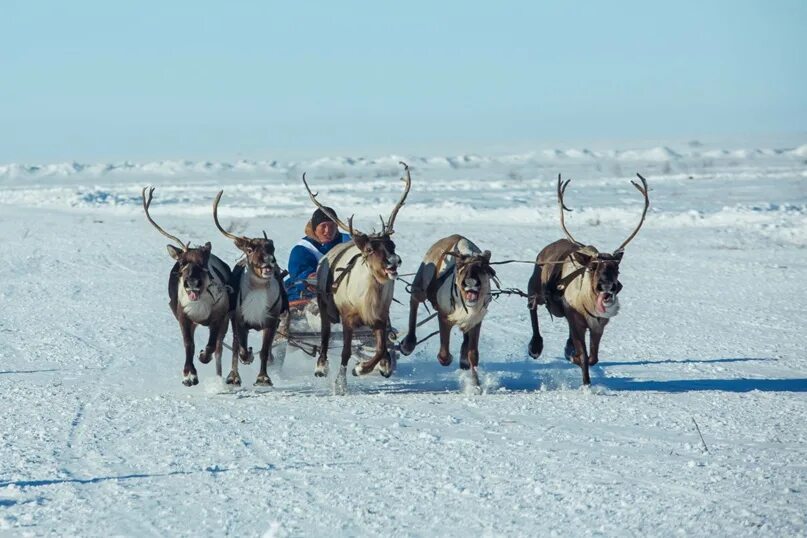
x=565, y=281
x=345, y=271
x=442, y=279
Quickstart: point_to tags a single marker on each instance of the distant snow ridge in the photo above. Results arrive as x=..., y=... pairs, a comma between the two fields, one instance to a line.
x=339, y=167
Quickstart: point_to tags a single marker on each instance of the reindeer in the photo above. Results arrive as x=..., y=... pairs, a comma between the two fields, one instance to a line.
x=579, y=283
x=258, y=299
x=355, y=282
x=197, y=288
x=455, y=277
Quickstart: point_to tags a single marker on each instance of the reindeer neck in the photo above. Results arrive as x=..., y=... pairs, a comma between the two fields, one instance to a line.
x=578, y=291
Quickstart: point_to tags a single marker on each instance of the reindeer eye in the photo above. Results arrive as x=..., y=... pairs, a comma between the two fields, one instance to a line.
x=250, y=250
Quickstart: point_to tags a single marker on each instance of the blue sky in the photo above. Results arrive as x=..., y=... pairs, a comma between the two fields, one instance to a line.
x=101, y=80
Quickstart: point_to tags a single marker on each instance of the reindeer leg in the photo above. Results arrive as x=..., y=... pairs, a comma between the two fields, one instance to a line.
x=189, y=375
x=386, y=365
x=245, y=354
x=340, y=385
x=466, y=339
x=536, y=345
x=279, y=347
x=569, y=349
x=321, y=369
x=225, y=322
x=410, y=341
x=233, y=378
x=266, y=351
x=473, y=354
x=577, y=323
x=596, y=336
x=444, y=356
x=380, y=333
x=206, y=355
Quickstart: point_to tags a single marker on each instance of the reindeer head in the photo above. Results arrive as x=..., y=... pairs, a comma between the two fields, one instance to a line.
x=378, y=252
x=601, y=268
x=259, y=252
x=472, y=276
x=194, y=277
x=602, y=272
x=377, y=249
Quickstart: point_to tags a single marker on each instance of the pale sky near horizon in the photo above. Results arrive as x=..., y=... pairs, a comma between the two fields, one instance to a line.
x=100, y=81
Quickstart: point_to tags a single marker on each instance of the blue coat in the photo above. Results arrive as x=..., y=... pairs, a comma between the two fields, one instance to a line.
x=303, y=262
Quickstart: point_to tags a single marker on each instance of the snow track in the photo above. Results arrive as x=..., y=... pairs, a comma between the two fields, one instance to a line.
x=100, y=438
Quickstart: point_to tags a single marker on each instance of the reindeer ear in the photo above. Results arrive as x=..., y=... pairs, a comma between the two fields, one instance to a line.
x=581, y=258
x=207, y=246
x=486, y=255
x=173, y=251
x=241, y=243
x=360, y=240
x=618, y=255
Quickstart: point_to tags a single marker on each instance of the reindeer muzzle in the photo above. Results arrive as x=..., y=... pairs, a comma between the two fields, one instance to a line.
x=605, y=301
x=391, y=268
x=470, y=291
x=265, y=271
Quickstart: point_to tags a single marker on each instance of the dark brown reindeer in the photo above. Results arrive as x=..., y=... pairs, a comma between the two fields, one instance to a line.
x=258, y=299
x=455, y=277
x=197, y=288
x=355, y=282
x=579, y=283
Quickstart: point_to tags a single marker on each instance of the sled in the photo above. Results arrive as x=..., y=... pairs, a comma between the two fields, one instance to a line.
x=300, y=329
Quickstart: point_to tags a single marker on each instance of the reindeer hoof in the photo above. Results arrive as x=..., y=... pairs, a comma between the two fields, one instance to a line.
x=321, y=370
x=465, y=364
x=361, y=369
x=384, y=367
x=263, y=381
x=246, y=357
x=445, y=361
x=233, y=379
x=408, y=345
x=206, y=356
x=190, y=379
x=593, y=360
x=535, y=347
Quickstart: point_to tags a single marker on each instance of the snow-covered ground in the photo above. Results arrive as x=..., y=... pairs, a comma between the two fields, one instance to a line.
x=99, y=437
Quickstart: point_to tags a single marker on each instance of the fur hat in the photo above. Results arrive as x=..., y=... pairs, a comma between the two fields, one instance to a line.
x=319, y=216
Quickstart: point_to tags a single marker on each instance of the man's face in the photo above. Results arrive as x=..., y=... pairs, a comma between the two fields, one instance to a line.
x=325, y=231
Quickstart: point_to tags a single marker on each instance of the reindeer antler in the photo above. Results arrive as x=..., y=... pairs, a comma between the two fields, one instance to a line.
x=643, y=190
x=216, y=219
x=561, y=191
x=146, y=204
x=325, y=210
x=388, y=229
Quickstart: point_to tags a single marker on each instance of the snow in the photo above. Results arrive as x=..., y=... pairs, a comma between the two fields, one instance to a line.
x=100, y=437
